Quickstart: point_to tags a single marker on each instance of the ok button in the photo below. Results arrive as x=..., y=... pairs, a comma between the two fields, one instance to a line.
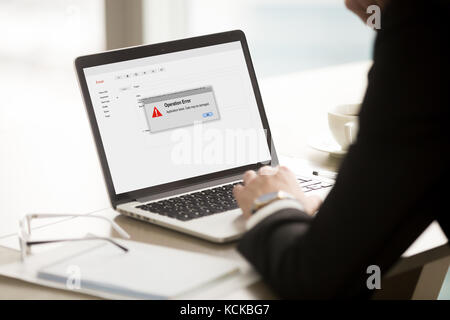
x=207, y=114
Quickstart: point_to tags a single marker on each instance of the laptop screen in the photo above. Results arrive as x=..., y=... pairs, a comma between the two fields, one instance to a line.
x=175, y=116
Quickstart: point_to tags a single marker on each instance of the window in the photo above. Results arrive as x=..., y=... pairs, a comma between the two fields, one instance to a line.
x=49, y=33
x=284, y=35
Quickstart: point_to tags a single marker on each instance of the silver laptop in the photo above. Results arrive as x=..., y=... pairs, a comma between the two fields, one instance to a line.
x=176, y=125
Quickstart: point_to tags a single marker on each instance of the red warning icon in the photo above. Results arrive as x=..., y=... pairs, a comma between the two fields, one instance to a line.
x=156, y=113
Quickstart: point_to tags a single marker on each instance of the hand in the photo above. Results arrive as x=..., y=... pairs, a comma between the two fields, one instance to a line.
x=360, y=6
x=268, y=180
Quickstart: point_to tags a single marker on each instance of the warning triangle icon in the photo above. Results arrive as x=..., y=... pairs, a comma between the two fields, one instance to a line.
x=156, y=113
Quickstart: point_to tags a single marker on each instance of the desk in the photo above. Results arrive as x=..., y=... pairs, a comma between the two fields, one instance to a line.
x=296, y=106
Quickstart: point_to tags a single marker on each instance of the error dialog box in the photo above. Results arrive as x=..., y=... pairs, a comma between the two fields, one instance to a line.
x=179, y=109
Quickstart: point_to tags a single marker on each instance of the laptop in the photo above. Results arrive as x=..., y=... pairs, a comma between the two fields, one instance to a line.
x=176, y=124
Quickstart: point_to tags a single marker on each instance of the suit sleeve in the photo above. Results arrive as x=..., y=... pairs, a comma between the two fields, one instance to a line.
x=390, y=185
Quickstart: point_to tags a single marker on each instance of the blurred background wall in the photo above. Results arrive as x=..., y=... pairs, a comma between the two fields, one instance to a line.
x=284, y=35
x=44, y=133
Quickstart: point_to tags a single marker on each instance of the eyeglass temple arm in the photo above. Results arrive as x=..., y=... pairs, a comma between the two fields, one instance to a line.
x=115, y=226
x=37, y=242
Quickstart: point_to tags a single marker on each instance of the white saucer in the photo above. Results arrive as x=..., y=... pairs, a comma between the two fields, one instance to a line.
x=326, y=143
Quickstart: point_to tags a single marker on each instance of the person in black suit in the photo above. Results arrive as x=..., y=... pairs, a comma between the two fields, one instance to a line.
x=391, y=185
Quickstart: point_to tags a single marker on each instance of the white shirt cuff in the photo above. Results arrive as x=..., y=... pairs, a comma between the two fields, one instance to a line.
x=270, y=209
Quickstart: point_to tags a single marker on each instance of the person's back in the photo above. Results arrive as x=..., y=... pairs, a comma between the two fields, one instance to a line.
x=391, y=185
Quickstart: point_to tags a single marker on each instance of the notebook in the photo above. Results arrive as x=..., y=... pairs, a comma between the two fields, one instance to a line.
x=144, y=272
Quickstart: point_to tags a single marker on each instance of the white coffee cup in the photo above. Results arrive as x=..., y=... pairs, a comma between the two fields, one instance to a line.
x=343, y=123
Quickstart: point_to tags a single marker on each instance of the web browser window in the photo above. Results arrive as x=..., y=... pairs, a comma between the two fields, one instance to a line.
x=178, y=115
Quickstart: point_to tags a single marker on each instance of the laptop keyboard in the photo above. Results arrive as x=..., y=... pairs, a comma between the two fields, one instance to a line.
x=211, y=201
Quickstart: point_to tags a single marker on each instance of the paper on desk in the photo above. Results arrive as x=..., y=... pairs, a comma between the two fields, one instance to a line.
x=149, y=271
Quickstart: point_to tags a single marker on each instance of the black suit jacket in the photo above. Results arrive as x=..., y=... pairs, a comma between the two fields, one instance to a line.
x=393, y=182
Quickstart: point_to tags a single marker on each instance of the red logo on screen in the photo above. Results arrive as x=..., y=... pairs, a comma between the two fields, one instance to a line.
x=156, y=113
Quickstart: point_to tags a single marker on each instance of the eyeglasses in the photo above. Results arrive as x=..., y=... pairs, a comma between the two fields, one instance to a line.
x=25, y=232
